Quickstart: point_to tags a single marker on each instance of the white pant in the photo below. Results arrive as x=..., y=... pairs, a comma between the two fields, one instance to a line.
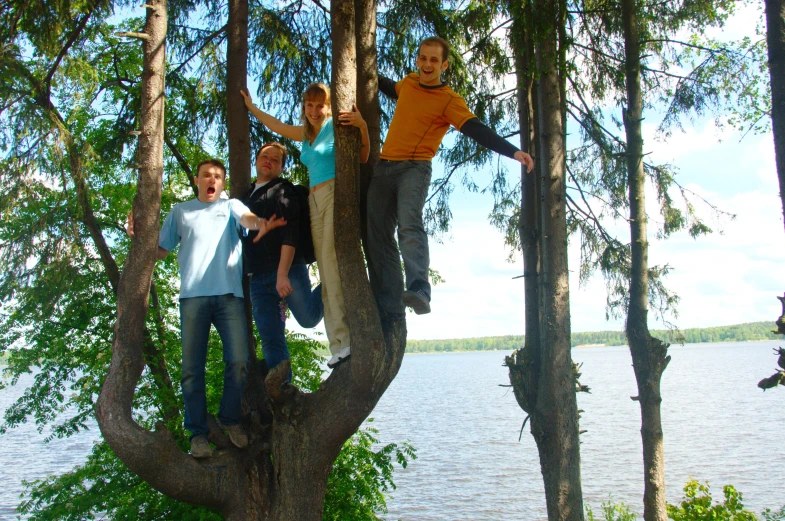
x=321, y=202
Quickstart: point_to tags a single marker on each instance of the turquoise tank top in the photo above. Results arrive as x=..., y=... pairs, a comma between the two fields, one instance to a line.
x=319, y=158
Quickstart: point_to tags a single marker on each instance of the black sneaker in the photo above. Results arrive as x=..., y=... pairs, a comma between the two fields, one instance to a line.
x=418, y=301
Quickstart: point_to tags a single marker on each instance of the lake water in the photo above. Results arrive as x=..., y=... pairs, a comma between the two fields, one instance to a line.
x=719, y=427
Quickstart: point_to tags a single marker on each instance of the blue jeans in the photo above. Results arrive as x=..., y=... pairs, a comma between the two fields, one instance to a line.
x=269, y=310
x=396, y=197
x=227, y=313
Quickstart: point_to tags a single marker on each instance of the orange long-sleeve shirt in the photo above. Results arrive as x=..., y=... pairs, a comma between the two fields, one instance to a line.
x=422, y=117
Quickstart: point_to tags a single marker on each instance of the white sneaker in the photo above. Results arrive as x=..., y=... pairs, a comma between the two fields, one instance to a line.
x=339, y=357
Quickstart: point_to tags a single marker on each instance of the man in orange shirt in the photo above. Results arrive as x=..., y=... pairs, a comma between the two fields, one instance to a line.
x=425, y=110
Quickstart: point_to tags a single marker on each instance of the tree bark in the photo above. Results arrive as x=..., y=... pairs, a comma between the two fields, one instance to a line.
x=555, y=424
x=649, y=355
x=238, y=127
x=775, y=38
x=282, y=474
x=543, y=374
x=367, y=97
x=237, y=120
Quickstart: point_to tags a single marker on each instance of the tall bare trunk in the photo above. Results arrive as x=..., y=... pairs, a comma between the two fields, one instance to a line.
x=237, y=119
x=649, y=355
x=238, y=126
x=542, y=374
x=367, y=96
x=775, y=38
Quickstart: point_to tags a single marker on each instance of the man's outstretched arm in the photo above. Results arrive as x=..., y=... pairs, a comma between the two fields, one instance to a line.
x=253, y=222
x=485, y=136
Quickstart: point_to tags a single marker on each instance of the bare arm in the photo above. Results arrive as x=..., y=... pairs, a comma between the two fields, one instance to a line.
x=293, y=132
x=354, y=118
x=253, y=222
x=282, y=283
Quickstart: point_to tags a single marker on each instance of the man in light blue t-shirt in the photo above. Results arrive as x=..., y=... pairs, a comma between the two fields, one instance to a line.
x=210, y=259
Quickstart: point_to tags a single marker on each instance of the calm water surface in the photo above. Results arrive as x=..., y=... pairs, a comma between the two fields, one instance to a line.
x=719, y=427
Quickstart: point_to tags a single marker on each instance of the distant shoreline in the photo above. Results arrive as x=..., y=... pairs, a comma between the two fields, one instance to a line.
x=746, y=332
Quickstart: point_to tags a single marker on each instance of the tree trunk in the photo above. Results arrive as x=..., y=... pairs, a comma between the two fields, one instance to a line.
x=542, y=374
x=238, y=127
x=524, y=364
x=649, y=355
x=555, y=425
x=282, y=474
x=367, y=97
x=237, y=120
x=775, y=38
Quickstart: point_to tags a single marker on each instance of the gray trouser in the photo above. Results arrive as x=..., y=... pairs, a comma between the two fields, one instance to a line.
x=396, y=196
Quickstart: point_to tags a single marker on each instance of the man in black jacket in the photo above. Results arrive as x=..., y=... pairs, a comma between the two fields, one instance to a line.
x=276, y=264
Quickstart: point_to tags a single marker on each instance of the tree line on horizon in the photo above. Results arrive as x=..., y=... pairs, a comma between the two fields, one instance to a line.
x=747, y=332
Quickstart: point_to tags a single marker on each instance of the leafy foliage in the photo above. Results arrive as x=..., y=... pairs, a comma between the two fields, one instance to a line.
x=361, y=476
x=612, y=512
x=698, y=505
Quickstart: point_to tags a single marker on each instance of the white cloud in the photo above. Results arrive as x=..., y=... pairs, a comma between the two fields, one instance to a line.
x=722, y=278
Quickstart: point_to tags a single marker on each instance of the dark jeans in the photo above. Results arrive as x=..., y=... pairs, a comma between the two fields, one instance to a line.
x=396, y=197
x=269, y=310
x=227, y=313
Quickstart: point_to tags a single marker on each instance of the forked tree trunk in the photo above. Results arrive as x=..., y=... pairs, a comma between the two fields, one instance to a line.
x=542, y=374
x=282, y=475
x=649, y=355
x=775, y=38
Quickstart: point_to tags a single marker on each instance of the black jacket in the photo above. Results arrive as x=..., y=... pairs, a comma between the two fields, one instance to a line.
x=277, y=197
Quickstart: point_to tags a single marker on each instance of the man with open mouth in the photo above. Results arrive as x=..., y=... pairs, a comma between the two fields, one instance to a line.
x=210, y=260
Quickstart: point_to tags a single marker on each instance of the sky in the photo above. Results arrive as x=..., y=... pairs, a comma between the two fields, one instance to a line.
x=730, y=276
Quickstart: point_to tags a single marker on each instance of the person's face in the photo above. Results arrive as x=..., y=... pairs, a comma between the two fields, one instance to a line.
x=431, y=64
x=316, y=111
x=210, y=182
x=269, y=164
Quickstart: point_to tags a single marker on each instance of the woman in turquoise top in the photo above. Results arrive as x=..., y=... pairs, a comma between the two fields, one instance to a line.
x=318, y=155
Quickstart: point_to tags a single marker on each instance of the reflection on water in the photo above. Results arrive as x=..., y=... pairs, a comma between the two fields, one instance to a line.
x=454, y=409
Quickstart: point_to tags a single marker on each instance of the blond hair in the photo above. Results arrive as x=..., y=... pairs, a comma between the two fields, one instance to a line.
x=318, y=92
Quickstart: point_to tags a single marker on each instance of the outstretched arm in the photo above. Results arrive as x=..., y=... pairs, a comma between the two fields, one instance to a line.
x=253, y=222
x=354, y=118
x=293, y=132
x=485, y=136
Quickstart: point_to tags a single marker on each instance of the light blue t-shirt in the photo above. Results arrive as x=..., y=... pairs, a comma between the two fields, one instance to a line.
x=211, y=255
x=319, y=158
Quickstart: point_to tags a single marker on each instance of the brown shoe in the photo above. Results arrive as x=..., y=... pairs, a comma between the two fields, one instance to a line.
x=237, y=436
x=418, y=301
x=200, y=447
